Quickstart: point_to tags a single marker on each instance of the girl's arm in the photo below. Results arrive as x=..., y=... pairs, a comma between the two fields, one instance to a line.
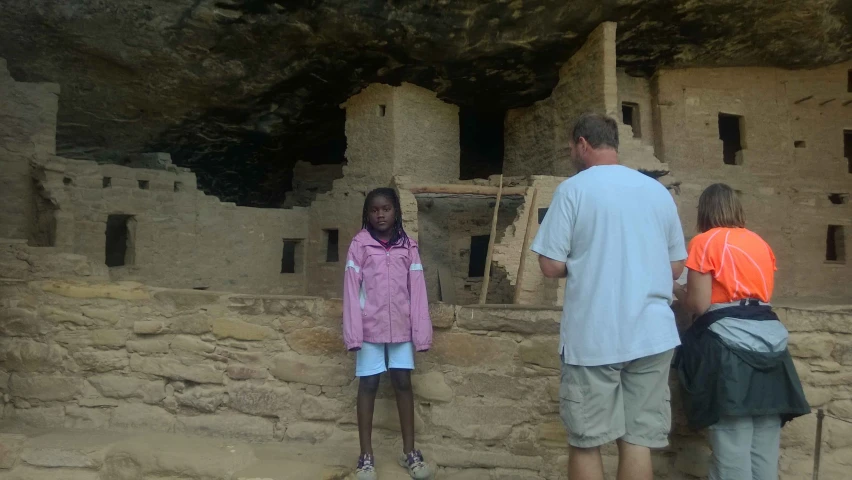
x=353, y=328
x=698, y=292
x=421, y=323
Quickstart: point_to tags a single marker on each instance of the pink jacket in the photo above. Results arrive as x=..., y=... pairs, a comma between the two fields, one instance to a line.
x=384, y=295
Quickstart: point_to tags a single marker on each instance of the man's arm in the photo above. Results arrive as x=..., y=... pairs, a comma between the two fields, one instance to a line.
x=552, y=268
x=677, y=269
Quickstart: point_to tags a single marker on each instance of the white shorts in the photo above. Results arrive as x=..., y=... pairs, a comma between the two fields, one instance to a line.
x=376, y=358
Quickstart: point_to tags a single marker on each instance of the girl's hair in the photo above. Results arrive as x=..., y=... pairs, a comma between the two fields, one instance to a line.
x=399, y=235
x=719, y=206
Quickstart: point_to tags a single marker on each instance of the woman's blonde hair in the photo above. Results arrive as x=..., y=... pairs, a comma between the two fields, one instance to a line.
x=719, y=206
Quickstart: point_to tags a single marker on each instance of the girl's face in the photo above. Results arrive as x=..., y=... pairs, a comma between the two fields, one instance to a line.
x=381, y=214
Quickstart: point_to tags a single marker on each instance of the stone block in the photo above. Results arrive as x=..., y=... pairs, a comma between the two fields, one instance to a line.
x=810, y=345
x=258, y=399
x=46, y=388
x=242, y=372
x=148, y=345
x=316, y=341
x=239, y=330
x=843, y=353
x=467, y=350
x=119, y=386
x=148, y=327
x=137, y=416
x=57, y=316
x=10, y=449
x=527, y=320
x=800, y=433
x=289, y=369
x=173, y=369
x=32, y=473
x=21, y=322
x=58, y=458
x=226, y=424
x=837, y=434
x=322, y=408
x=130, y=291
x=454, y=415
x=109, y=338
x=442, y=314
x=87, y=418
x=309, y=432
x=39, y=417
x=455, y=457
x=201, y=398
x=552, y=434
x=432, y=387
x=191, y=344
x=190, y=324
x=102, y=362
x=541, y=351
x=841, y=408
x=23, y=355
x=186, y=300
x=490, y=386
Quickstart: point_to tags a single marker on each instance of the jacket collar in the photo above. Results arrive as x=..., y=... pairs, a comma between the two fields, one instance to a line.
x=364, y=238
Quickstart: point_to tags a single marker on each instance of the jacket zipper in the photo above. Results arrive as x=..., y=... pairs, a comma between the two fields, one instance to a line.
x=390, y=321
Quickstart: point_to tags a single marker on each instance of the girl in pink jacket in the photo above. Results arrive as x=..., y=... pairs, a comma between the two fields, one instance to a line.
x=385, y=319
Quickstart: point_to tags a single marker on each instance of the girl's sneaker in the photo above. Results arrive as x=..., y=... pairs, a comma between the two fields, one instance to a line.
x=415, y=465
x=366, y=468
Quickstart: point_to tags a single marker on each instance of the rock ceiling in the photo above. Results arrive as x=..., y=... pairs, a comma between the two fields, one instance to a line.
x=239, y=90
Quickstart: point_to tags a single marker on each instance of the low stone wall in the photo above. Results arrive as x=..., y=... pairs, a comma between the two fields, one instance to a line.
x=79, y=353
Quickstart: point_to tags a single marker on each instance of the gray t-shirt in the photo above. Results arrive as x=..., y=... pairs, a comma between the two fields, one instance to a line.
x=617, y=230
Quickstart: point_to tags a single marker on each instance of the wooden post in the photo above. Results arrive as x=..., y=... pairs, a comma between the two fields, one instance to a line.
x=818, y=446
x=526, y=245
x=491, y=239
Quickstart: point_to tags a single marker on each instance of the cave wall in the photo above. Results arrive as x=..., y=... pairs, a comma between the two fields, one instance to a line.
x=792, y=130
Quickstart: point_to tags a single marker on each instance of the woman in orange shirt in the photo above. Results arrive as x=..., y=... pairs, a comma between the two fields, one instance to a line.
x=735, y=370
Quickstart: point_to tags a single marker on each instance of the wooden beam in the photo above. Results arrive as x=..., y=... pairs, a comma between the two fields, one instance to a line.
x=450, y=189
x=533, y=214
x=484, y=295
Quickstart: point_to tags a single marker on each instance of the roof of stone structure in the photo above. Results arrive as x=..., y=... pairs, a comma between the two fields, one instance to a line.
x=239, y=90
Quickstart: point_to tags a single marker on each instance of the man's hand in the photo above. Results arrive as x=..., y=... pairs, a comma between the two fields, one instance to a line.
x=552, y=268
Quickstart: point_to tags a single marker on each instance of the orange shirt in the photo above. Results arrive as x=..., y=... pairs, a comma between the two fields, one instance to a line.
x=742, y=264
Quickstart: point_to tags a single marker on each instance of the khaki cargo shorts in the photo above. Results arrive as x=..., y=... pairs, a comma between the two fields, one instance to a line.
x=629, y=400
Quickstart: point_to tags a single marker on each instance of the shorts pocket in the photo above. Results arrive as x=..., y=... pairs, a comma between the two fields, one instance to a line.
x=666, y=410
x=572, y=407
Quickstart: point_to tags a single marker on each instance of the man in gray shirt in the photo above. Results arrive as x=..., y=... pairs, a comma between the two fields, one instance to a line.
x=615, y=235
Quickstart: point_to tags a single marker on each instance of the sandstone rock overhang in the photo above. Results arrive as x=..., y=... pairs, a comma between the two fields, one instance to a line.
x=239, y=90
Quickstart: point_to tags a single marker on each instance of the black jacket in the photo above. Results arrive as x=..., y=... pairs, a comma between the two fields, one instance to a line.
x=718, y=379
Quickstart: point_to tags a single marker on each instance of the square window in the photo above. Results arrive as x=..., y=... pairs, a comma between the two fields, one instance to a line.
x=178, y=186
x=291, y=256
x=144, y=184
x=835, y=244
x=107, y=182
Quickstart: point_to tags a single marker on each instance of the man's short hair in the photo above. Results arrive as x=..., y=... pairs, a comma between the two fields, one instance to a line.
x=599, y=130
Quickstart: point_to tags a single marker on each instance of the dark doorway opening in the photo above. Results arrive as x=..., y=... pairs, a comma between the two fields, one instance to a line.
x=847, y=148
x=478, y=255
x=730, y=132
x=835, y=244
x=630, y=116
x=120, y=237
x=332, y=250
x=291, y=256
x=481, y=143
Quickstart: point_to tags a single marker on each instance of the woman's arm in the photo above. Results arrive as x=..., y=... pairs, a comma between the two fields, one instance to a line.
x=696, y=296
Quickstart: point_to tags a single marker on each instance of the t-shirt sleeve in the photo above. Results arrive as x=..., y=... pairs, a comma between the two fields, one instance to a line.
x=677, y=246
x=553, y=239
x=702, y=256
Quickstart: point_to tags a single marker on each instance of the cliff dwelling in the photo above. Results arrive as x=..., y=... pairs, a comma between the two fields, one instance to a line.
x=179, y=184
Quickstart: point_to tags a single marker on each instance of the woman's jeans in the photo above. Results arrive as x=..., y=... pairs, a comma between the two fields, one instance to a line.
x=745, y=448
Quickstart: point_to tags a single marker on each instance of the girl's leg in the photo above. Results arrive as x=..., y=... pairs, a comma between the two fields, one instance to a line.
x=401, y=380
x=367, y=388
x=730, y=440
x=765, y=447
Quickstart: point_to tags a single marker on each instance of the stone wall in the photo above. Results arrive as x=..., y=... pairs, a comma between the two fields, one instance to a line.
x=792, y=160
x=182, y=238
x=537, y=137
x=27, y=129
x=82, y=352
